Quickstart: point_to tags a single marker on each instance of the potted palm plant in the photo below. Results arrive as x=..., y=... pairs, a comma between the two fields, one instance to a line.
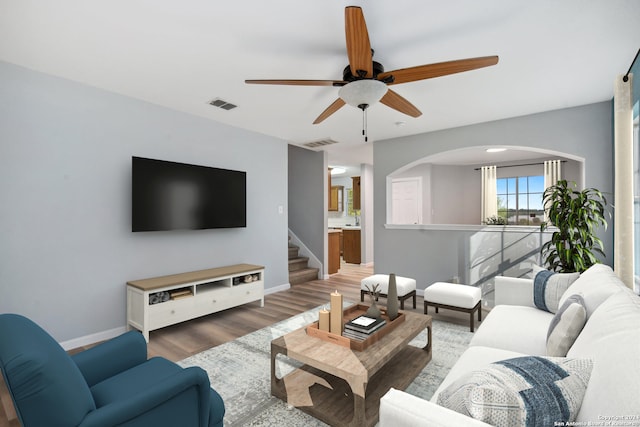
x=576, y=215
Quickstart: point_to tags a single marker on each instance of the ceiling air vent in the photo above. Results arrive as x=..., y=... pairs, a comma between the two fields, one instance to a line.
x=222, y=104
x=320, y=143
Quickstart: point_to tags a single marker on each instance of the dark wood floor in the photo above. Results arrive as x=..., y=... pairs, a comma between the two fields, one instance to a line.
x=180, y=341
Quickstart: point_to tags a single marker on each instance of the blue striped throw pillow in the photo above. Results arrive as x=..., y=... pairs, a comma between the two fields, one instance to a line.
x=529, y=391
x=548, y=287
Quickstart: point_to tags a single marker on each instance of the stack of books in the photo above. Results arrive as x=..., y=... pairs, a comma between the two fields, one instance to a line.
x=180, y=293
x=362, y=327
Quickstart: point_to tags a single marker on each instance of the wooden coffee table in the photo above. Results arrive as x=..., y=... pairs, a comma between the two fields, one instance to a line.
x=343, y=387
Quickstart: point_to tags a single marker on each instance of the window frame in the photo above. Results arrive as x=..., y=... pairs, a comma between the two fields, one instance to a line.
x=521, y=219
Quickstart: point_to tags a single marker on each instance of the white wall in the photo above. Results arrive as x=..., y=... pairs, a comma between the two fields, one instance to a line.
x=341, y=218
x=366, y=209
x=66, y=248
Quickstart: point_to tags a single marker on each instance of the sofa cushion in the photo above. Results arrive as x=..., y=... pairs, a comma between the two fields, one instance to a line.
x=399, y=408
x=611, y=337
x=549, y=287
x=133, y=381
x=566, y=326
x=473, y=359
x=595, y=285
x=515, y=328
x=528, y=391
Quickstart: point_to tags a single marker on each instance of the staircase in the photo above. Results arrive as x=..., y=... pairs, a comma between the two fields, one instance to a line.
x=299, y=270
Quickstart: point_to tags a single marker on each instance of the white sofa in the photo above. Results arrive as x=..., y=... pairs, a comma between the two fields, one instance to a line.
x=515, y=327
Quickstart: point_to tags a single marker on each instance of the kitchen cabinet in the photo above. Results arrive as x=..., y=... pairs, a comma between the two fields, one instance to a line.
x=355, y=180
x=351, y=243
x=334, y=251
x=336, y=198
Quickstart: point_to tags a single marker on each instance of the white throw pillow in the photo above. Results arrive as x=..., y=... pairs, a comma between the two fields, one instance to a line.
x=595, y=285
x=548, y=287
x=524, y=391
x=566, y=325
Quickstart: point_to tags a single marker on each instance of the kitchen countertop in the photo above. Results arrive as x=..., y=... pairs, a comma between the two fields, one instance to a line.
x=344, y=227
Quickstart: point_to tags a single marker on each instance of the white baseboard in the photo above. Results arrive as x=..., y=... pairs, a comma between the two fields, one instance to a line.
x=275, y=289
x=93, y=338
x=112, y=333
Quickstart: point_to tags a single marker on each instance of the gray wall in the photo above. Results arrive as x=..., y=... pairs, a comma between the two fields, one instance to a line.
x=455, y=195
x=307, y=198
x=430, y=255
x=66, y=247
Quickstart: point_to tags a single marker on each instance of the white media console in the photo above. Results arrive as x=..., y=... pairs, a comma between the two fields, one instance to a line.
x=162, y=301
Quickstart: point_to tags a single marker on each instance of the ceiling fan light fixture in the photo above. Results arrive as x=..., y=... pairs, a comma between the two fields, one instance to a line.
x=363, y=92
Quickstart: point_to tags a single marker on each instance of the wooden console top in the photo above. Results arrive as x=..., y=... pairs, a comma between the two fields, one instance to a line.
x=193, y=276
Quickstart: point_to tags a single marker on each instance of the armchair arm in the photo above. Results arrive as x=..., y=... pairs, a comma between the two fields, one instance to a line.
x=111, y=357
x=400, y=409
x=514, y=291
x=156, y=404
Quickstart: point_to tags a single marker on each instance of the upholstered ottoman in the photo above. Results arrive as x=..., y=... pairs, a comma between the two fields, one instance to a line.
x=453, y=296
x=406, y=287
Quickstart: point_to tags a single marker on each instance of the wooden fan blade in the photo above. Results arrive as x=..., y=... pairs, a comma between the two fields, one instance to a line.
x=337, y=104
x=358, y=46
x=439, y=69
x=393, y=100
x=298, y=82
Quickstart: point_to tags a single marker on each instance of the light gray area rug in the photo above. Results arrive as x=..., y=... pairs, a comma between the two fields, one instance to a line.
x=240, y=371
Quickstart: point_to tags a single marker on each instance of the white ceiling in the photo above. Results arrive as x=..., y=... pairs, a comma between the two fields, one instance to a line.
x=182, y=54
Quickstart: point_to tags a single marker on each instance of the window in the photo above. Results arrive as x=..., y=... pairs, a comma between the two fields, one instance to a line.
x=520, y=199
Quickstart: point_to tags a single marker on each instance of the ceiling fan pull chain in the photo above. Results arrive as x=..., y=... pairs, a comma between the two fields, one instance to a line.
x=364, y=124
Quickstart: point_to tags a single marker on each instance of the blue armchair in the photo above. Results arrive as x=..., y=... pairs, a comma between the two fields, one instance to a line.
x=111, y=384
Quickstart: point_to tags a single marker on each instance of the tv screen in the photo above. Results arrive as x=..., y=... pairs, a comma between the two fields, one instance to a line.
x=177, y=196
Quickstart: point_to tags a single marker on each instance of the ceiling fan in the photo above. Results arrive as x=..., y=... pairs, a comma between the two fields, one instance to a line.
x=364, y=80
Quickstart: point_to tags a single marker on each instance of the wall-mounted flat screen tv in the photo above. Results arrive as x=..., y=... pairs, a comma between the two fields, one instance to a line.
x=178, y=196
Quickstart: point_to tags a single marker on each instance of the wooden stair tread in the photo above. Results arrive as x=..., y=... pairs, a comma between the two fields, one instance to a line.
x=303, y=275
x=299, y=270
